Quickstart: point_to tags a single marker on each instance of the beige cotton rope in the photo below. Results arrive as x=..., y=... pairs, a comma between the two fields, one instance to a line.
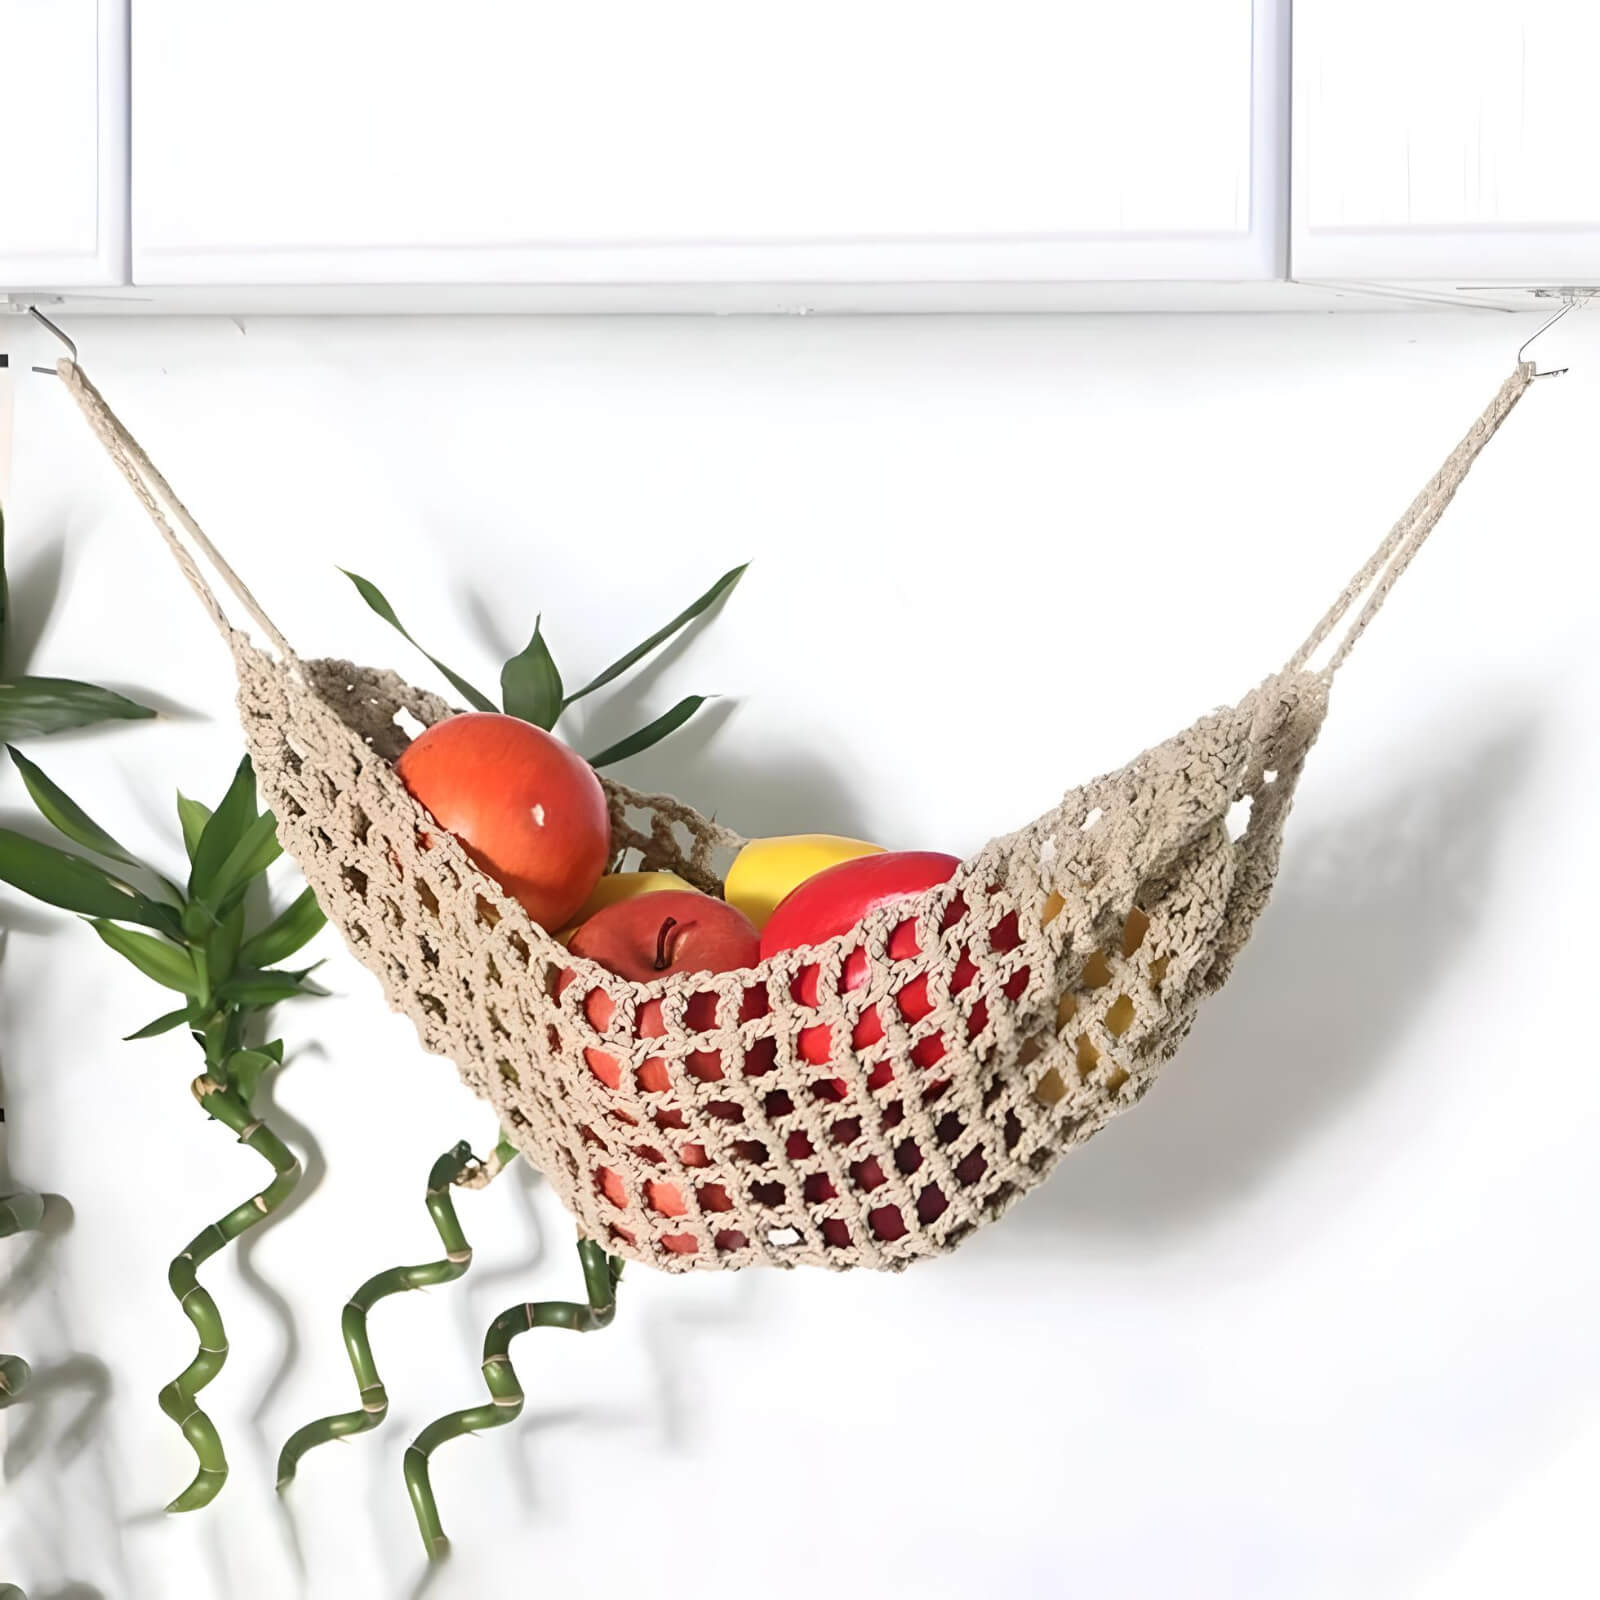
x=775, y=1115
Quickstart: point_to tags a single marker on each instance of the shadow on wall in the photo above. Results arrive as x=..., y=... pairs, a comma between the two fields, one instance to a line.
x=1367, y=916
x=792, y=793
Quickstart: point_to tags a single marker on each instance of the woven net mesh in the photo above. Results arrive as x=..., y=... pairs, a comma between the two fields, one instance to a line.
x=781, y=1115
x=721, y=1120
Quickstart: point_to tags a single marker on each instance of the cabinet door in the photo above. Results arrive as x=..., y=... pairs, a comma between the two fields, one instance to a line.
x=1450, y=142
x=63, y=143
x=707, y=141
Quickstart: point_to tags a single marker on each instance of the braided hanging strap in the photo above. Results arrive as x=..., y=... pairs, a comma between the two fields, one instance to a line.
x=865, y=1102
x=1383, y=567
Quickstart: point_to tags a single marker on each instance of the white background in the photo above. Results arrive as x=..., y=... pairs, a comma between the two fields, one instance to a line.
x=1318, y=1319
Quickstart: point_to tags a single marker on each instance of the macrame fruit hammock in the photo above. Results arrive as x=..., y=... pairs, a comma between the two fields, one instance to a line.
x=1007, y=1014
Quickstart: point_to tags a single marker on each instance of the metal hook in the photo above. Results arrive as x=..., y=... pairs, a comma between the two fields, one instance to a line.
x=39, y=316
x=1569, y=303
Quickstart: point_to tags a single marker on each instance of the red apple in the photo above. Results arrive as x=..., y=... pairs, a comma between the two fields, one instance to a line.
x=833, y=902
x=649, y=937
x=838, y=897
x=675, y=930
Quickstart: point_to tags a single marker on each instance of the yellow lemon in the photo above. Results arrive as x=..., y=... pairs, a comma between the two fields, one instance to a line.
x=767, y=869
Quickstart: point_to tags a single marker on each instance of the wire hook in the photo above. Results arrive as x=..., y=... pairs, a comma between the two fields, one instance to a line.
x=1568, y=303
x=72, y=349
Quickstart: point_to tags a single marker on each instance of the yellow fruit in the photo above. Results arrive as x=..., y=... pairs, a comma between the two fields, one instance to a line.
x=615, y=886
x=767, y=869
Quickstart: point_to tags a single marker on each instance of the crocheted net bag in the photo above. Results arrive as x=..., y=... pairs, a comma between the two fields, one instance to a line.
x=1046, y=985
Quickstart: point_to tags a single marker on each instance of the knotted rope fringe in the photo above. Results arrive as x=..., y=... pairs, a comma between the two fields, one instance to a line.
x=865, y=1102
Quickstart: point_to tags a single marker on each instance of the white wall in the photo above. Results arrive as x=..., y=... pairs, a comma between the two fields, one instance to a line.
x=1318, y=1319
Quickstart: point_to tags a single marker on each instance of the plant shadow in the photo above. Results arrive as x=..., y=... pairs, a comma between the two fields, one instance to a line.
x=28, y=1271
x=19, y=918
x=35, y=587
x=314, y=1169
x=77, y=1373
x=787, y=793
x=1367, y=917
x=630, y=702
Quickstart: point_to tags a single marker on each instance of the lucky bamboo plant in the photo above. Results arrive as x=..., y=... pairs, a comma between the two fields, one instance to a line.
x=207, y=942
x=530, y=682
x=31, y=706
x=531, y=688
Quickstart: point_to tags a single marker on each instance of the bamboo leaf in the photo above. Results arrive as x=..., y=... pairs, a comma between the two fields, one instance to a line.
x=374, y=596
x=255, y=851
x=73, y=883
x=223, y=830
x=33, y=707
x=222, y=945
x=257, y=989
x=244, y=1069
x=155, y=958
x=285, y=934
x=192, y=818
x=66, y=816
x=622, y=664
x=652, y=732
x=530, y=685
x=163, y=1024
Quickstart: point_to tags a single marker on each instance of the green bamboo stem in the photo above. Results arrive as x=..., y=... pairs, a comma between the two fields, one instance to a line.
x=600, y=1275
x=19, y=1213
x=447, y=1172
x=178, y=1398
x=14, y=1375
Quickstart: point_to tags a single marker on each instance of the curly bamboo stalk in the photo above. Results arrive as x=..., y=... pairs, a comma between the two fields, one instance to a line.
x=600, y=1275
x=448, y=1171
x=177, y=1399
x=14, y=1375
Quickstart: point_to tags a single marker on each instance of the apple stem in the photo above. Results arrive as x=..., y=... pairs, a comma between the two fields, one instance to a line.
x=663, y=956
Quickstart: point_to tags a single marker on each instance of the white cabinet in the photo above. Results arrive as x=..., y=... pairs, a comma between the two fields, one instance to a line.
x=63, y=143
x=1446, y=145
x=710, y=142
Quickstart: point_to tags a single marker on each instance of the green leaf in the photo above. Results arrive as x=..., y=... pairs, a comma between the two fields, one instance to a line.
x=652, y=732
x=273, y=1048
x=225, y=828
x=163, y=1024
x=256, y=850
x=254, y=988
x=374, y=596
x=530, y=684
x=155, y=958
x=244, y=1069
x=623, y=663
x=60, y=878
x=285, y=934
x=222, y=945
x=66, y=816
x=192, y=818
x=32, y=707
